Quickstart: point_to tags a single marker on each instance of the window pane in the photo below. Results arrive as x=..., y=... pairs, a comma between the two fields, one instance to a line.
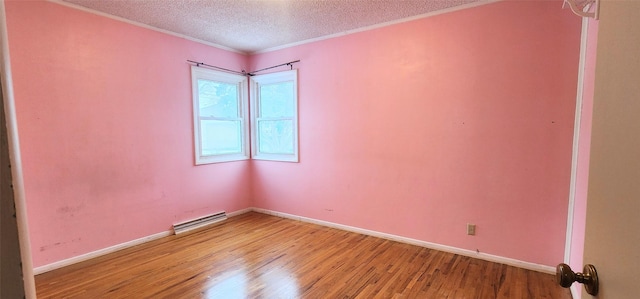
x=217, y=99
x=220, y=137
x=276, y=136
x=276, y=100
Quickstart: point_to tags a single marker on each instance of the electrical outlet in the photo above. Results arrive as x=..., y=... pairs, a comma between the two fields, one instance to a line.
x=471, y=229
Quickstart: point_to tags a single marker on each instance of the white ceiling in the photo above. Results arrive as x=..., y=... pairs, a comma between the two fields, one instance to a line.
x=253, y=25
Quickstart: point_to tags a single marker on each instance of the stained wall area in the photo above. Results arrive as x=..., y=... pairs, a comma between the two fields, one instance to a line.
x=105, y=122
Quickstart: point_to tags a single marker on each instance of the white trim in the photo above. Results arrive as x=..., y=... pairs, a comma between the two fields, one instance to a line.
x=114, y=248
x=242, y=102
x=576, y=139
x=102, y=14
x=239, y=212
x=100, y=252
x=256, y=116
x=15, y=160
x=380, y=25
x=429, y=14
x=576, y=290
x=435, y=246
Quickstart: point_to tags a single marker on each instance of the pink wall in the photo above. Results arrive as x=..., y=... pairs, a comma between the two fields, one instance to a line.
x=414, y=129
x=582, y=180
x=105, y=124
x=419, y=128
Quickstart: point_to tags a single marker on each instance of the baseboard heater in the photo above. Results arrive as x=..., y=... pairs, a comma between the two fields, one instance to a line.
x=190, y=225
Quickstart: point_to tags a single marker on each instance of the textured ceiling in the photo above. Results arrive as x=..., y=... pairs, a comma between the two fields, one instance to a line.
x=253, y=25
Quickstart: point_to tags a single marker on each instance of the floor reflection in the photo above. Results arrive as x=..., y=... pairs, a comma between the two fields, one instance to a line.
x=282, y=282
x=232, y=286
x=244, y=283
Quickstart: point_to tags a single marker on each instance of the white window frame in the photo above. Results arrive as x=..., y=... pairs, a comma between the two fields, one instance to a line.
x=241, y=83
x=271, y=78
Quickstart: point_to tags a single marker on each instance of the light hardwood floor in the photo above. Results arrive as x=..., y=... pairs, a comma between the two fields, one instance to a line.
x=260, y=256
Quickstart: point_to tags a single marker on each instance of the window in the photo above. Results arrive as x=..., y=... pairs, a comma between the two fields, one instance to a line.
x=274, y=110
x=219, y=115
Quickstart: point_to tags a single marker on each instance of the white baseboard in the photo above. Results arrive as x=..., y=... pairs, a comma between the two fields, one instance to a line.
x=450, y=249
x=101, y=252
x=97, y=253
x=440, y=247
x=239, y=212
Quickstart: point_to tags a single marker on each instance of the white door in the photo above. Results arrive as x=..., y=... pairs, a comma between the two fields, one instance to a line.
x=612, y=242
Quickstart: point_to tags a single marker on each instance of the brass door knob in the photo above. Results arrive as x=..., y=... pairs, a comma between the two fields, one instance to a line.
x=566, y=277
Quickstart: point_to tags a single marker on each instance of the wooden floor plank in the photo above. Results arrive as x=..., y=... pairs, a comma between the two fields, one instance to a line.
x=260, y=256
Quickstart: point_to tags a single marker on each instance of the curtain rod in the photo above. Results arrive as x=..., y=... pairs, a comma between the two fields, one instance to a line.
x=199, y=64
x=243, y=72
x=290, y=63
